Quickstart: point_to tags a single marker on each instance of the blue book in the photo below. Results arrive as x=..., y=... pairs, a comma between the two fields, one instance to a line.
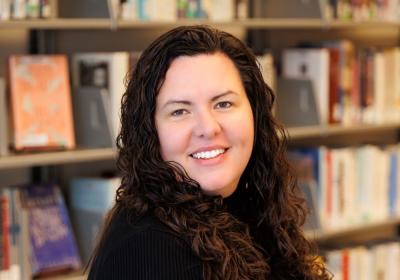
x=52, y=243
x=393, y=183
x=90, y=200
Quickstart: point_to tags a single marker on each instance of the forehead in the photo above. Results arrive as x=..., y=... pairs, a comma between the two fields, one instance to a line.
x=200, y=75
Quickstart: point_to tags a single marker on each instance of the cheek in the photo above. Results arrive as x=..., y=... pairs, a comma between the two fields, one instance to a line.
x=243, y=130
x=173, y=142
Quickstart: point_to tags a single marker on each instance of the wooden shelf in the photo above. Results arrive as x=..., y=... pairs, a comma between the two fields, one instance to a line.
x=256, y=23
x=62, y=157
x=356, y=234
x=333, y=130
x=85, y=155
x=76, y=275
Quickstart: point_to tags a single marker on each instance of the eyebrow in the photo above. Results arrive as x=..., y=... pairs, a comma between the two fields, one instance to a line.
x=185, y=102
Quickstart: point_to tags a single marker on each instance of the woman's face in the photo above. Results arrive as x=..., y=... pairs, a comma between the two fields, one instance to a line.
x=204, y=121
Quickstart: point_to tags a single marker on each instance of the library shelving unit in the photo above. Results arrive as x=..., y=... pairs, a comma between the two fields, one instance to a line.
x=296, y=135
x=58, y=35
x=260, y=23
x=356, y=234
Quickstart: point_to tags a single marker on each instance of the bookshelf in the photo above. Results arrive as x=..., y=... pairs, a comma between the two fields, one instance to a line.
x=305, y=134
x=100, y=23
x=51, y=158
x=345, y=135
x=355, y=235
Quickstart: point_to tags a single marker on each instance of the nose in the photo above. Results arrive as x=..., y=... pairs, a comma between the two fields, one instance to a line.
x=207, y=124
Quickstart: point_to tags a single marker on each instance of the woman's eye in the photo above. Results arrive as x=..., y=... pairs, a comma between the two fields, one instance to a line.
x=178, y=112
x=224, y=105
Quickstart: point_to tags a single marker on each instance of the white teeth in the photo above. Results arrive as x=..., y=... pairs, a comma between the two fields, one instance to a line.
x=209, y=154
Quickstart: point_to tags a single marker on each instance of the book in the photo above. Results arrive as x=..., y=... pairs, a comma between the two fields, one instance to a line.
x=84, y=9
x=52, y=242
x=312, y=64
x=90, y=200
x=303, y=162
x=92, y=122
x=5, y=9
x=11, y=233
x=106, y=71
x=300, y=92
x=378, y=261
x=266, y=63
x=4, y=133
x=288, y=9
x=41, y=102
x=18, y=9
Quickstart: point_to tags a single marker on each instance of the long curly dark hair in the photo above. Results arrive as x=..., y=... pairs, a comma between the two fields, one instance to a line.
x=256, y=232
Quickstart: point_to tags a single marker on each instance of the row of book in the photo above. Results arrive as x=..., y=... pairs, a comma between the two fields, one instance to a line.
x=171, y=10
x=41, y=237
x=349, y=186
x=378, y=262
x=364, y=10
x=350, y=86
x=332, y=84
x=45, y=115
x=25, y=9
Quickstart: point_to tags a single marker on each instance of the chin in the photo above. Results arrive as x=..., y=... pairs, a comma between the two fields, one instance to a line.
x=224, y=191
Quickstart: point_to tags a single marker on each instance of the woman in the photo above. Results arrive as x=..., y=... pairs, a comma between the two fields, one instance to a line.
x=206, y=192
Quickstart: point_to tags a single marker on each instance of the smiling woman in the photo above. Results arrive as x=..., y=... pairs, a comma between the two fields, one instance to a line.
x=207, y=192
x=206, y=127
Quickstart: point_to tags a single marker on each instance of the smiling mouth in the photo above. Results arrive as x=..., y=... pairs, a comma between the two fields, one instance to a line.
x=208, y=154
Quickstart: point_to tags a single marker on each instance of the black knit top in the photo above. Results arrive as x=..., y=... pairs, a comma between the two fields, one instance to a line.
x=146, y=250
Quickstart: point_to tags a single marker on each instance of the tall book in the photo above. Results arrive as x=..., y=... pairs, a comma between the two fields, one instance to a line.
x=41, y=102
x=4, y=134
x=105, y=71
x=52, y=242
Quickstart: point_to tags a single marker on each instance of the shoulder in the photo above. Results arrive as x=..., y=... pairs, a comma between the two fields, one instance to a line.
x=146, y=249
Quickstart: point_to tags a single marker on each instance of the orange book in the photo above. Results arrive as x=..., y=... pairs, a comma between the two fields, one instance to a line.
x=41, y=102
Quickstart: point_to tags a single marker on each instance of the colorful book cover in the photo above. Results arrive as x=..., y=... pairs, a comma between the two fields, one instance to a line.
x=41, y=102
x=52, y=241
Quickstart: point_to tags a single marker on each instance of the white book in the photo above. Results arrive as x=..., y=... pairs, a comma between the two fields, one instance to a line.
x=366, y=184
x=18, y=9
x=103, y=70
x=221, y=10
x=322, y=186
x=396, y=86
x=129, y=10
x=5, y=9
x=379, y=108
x=312, y=64
x=337, y=186
x=335, y=264
x=350, y=209
x=267, y=69
x=163, y=10
x=380, y=254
